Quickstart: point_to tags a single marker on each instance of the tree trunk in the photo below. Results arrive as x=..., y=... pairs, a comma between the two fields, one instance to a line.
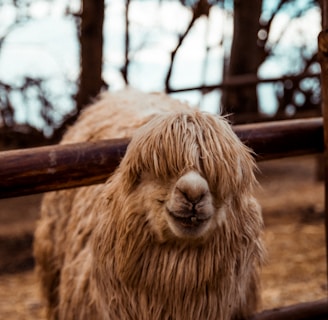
x=91, y=44
x=245, y=58
x=91, y=52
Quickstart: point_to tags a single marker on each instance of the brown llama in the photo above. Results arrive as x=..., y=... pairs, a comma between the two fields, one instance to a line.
x=174, y=233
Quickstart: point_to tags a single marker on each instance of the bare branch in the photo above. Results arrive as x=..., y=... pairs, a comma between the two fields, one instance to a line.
x=125, y=67
x=202, y=7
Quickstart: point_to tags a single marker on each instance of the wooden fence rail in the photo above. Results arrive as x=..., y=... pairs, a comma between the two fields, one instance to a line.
x=316, y=310
x=244, y=81
x=50, y=168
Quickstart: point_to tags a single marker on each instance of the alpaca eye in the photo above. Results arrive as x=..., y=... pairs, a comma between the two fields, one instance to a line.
x=160, y=201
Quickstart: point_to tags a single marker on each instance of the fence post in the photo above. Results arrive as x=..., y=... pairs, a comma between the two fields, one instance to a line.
x=323, y=58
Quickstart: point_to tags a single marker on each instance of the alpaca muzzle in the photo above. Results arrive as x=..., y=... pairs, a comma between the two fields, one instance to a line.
x=189, y=220
x=190, y=206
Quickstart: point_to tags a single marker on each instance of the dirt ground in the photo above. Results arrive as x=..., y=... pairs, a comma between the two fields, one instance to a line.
x=292, y=201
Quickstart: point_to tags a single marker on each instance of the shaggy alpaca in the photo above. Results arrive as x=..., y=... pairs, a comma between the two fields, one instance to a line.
x=173, y=234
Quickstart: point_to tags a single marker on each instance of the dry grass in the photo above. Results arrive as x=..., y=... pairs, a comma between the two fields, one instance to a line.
x=293, y=204
x=19, y=298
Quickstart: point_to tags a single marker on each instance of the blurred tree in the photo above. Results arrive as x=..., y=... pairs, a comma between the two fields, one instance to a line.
x=12, y=134
x=6, y=108
x=251, y=47
x=89, y=23
x=91, y=51
x=198, y=8
x=245, y=58
x=125, y=67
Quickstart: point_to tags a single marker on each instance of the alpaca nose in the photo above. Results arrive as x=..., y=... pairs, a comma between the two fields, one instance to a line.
x=192, y=187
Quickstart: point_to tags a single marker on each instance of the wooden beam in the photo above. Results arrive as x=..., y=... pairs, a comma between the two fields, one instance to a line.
x=57, y=167
x=279, y=139
x=244, y=81
x=323, y=59
x=316, y=310
x=41, y=169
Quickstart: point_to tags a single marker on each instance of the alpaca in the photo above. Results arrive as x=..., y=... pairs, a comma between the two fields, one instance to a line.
x=174, y=233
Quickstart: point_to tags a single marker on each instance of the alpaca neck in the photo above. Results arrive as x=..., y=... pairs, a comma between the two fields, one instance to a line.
x=180, y=281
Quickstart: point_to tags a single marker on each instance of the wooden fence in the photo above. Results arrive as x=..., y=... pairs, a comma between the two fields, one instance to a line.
x=63, y=166
x=50, y=168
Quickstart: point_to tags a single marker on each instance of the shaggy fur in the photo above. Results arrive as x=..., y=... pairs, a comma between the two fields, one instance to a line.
x=173, y=234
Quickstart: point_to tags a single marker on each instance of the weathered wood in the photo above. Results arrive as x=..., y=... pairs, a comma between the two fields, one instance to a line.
x=37, y=170
x=323, y=58
x=244, y=81
x=278, y=139
x=316, y=310
x=50, y=168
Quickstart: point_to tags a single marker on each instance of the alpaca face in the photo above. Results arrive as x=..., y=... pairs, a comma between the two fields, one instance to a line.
x=187, y=167
x=190, y=210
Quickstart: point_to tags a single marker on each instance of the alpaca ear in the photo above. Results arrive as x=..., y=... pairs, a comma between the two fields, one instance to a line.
x=240, y=158
x=130, y=174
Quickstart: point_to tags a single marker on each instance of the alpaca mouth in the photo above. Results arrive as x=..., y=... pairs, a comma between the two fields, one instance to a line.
x=188, y=221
